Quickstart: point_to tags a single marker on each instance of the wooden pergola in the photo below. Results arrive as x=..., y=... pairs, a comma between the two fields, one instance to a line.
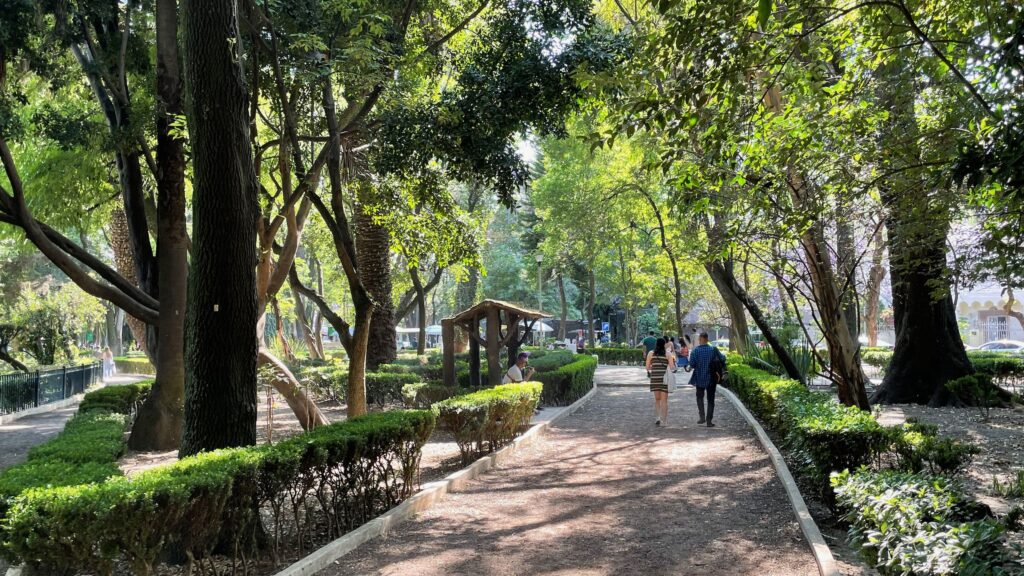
x=495, y=313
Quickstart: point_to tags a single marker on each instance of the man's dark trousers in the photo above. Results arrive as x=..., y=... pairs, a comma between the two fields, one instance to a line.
x=711, y=402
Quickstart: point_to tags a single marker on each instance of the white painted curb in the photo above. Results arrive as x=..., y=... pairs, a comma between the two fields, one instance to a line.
x=822, y=553
x=429, y=495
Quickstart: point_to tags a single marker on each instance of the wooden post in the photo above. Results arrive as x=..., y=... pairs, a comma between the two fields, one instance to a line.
x=448, y=351
x=494, y=371
x=474, y=354
x=513, y=321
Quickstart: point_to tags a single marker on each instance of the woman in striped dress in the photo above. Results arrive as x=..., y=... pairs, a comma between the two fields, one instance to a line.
x=657, y=365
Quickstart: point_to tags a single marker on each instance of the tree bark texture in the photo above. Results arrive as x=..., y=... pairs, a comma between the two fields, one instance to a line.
x=465, y=298
x=124, y=261
x=373, y=249
x=928, y=349
x=220, y=351
x=874, y=287
x=159, y=423
x=564, y=310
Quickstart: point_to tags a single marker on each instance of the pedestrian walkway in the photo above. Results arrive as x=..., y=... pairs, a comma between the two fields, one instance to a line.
x=16, y=438
x=606, y=492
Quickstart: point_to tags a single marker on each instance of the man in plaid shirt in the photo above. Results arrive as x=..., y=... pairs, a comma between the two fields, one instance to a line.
x=700, y=361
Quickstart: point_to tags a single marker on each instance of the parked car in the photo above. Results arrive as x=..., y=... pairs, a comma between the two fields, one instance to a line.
x=1011, y=346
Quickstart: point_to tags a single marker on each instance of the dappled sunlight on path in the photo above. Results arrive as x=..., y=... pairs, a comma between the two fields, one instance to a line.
x=606, y=492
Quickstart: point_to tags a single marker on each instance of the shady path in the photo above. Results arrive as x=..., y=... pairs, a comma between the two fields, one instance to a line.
x=17, y=437
x=606, y=492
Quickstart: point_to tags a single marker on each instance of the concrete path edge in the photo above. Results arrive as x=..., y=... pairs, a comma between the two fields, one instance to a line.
x=822, y=553
x=35, y=411
x=428, y=495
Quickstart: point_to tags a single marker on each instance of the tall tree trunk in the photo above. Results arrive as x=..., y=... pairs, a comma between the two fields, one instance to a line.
x=159, y=423
x=874, y=288
x=590, y=307
x=373, y=249
x=220, y=355
x=846, y=266
x=564, y=306
x=725, y=280
x=928, y=351
x=279, y=326
x=721, y=273
x=124, y=262
x=421, y=311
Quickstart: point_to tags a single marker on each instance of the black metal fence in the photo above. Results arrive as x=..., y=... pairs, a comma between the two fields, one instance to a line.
x=21, y=391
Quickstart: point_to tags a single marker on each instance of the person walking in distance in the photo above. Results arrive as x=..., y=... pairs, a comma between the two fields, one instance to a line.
x=657, y=365
x=706, y=362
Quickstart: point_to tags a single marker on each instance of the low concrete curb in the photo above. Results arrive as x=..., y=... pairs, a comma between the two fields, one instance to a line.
x=429, y=495
x=51, y=407
x=822, y=553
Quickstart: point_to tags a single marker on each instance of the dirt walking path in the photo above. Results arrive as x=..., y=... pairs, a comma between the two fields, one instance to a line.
x=606, y=492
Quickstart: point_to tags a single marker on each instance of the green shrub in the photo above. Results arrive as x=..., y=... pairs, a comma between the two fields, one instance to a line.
x=917, y=448
x=134, y=365
x=1012, y=488
x=425, y=394
x=828, y=435
x=552, y=360
x=569, y=383
x=976, y=390
x=921, y=525
x=877, y=357
x=350, y=472
x=383, y=388
x=88, y=437
x=395, y=368
x=124, y=399
x=620, y=356
x=485, y=420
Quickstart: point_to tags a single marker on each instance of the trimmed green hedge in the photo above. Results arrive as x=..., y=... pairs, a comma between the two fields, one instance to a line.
x=828, y=435
x=134, y=365
x=620, y=356
x=123, y=399
x=349, y=472
x=921, y=524
x=552, y=360
x=568, y=383
x=485, y=420
x=425, y=394
x=86, y=451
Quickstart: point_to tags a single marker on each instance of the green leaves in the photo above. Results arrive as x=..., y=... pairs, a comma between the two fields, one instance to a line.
x=764, y=11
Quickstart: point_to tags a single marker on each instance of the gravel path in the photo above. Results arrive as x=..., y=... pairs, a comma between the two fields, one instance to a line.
x=605, y=492
x=16, y=438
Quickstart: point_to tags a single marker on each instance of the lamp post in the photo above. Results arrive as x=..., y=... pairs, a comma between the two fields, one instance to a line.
x=540, y=287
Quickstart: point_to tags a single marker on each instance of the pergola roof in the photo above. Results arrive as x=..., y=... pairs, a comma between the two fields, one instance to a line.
x=481, y=308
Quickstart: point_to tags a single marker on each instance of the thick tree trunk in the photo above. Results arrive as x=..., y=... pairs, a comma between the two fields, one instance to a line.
x=874, y=288
x=125, y=264
x=722, y=276
x=221, y=353
x=564, y=310
x=929, y=351
x=373, y=249
x=158, y=425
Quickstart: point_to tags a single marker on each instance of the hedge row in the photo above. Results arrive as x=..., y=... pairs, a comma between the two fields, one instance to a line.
x=888, y=510
x=828, y=435
x=620, y=356
x=568, y=383
x=347, y=472
x=921, y=524
x=134, y=365
x=425, y=394
x=1003, y=368
x=382, y=387
x=85, y=451
x=485, y=420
